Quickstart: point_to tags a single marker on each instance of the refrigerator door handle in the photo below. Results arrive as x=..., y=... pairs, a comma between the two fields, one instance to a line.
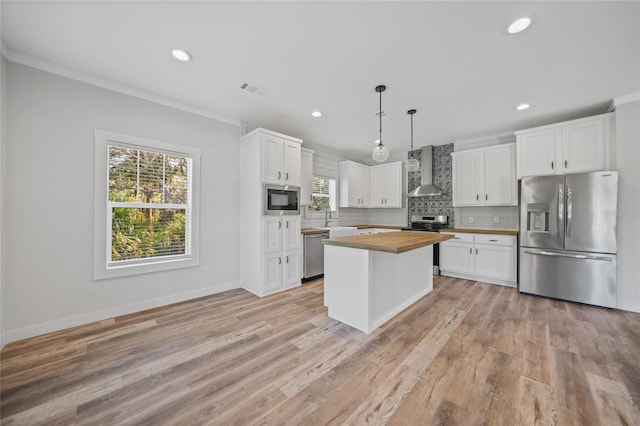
x=560, y=209
x=572, y=256
x=569, y=210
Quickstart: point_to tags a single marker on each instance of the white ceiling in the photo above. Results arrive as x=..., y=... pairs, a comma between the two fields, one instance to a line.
x=452, y=61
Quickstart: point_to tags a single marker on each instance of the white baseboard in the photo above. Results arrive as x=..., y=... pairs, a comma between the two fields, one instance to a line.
x=479, y=279
x=629, y=307
x=89, y=317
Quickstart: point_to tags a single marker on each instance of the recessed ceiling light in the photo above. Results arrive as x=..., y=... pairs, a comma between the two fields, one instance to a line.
x=316, y=114
x=522, y=107
x=519, y=25
x=181, y=55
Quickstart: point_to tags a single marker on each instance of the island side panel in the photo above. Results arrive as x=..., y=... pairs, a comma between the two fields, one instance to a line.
x=346, y=285
x=397, y=281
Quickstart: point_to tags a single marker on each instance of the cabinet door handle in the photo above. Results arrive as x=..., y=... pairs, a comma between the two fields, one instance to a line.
x=279, y=224
x=279, y=261
x=456, y=238
x=286, y=224
x=470, y=250
x=552, y=165
x=495, y=241
x=476, y=251
x=486, y=197
x=565, y=164
x=279, y=175
x=286, y=176
x=477, y=197
x=287, y=259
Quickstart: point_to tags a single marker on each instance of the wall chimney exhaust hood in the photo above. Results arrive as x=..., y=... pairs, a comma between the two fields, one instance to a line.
x=427, y=188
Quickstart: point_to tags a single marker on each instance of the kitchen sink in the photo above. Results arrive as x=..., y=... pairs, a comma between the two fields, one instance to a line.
x=340, y=231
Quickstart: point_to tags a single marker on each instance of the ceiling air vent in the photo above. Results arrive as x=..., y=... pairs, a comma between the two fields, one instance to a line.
x=252, y=88
x=384, y=113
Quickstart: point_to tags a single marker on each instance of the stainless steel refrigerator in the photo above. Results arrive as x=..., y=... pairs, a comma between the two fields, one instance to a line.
x=568, y=240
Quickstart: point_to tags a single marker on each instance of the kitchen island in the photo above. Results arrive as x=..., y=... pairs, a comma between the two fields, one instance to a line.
x=368, y=279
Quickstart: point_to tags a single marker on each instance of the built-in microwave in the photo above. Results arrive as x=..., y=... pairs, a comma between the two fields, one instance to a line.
x=281, y=199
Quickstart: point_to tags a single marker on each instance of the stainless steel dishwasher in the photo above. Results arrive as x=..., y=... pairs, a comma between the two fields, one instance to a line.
x=313, y=255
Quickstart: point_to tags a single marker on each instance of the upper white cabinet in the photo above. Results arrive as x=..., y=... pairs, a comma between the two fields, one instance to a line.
x=354, y=184
x=306, y=176
x=485, y=177
x=280, y=159
x=370, y=186
x=570, y=147
x=386, y=185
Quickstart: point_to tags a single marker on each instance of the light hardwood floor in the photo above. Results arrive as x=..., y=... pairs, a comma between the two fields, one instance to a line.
x=468, y=353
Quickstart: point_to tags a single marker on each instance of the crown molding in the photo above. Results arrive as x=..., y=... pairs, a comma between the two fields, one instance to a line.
x=484, y=141
x=43, y=65
x=626, y=99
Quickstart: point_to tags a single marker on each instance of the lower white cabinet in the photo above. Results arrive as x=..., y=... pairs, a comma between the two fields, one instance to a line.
x=483, y=257
x=281, y=270
x=370, y=231
x=272, y=262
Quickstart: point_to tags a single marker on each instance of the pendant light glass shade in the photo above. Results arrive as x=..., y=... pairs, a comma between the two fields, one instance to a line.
x=412, y=164
x=380, y=152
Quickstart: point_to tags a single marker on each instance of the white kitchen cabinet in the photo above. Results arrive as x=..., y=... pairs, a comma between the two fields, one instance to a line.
x=271, y=234
x=570, y=147
x=281, y=251
x=280, y=233
x=371, y=231
x=280, y=159
x=456, y=257
x=306, y=176
x=386, y=185
x=354, y=184
x=481, y=257
x=485, y=177
x=291, y=233
x=270, y=245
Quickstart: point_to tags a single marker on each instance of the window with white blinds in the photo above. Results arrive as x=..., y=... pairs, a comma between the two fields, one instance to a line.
x=147, y=202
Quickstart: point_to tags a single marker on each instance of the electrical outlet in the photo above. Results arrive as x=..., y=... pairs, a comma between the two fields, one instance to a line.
x=496, y=219
x=206, y=270
x=470, y=219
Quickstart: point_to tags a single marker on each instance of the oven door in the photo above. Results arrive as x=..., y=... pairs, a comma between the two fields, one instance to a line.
x=281, y=200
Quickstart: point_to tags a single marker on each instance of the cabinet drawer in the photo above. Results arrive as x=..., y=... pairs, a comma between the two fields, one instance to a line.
x=460, y=238
x=498, y=240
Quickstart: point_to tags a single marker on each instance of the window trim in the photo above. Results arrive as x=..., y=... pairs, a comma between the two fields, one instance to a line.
x=315, y=214
x=102, y=229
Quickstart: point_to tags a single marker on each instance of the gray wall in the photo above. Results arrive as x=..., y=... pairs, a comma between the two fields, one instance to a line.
x=48, y=192
x=627, y=157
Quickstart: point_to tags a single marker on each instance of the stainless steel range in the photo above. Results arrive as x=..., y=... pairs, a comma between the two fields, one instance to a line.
x=430, y=224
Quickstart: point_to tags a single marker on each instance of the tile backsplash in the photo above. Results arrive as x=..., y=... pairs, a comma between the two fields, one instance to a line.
x=442, y=177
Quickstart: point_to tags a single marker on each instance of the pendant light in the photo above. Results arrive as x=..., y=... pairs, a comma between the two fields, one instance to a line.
x=412, y=164
x=380, y=152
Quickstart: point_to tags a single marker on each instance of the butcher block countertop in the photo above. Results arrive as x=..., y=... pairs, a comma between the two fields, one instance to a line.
x=390, y=242
x=307, y=231
x=481, y=231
